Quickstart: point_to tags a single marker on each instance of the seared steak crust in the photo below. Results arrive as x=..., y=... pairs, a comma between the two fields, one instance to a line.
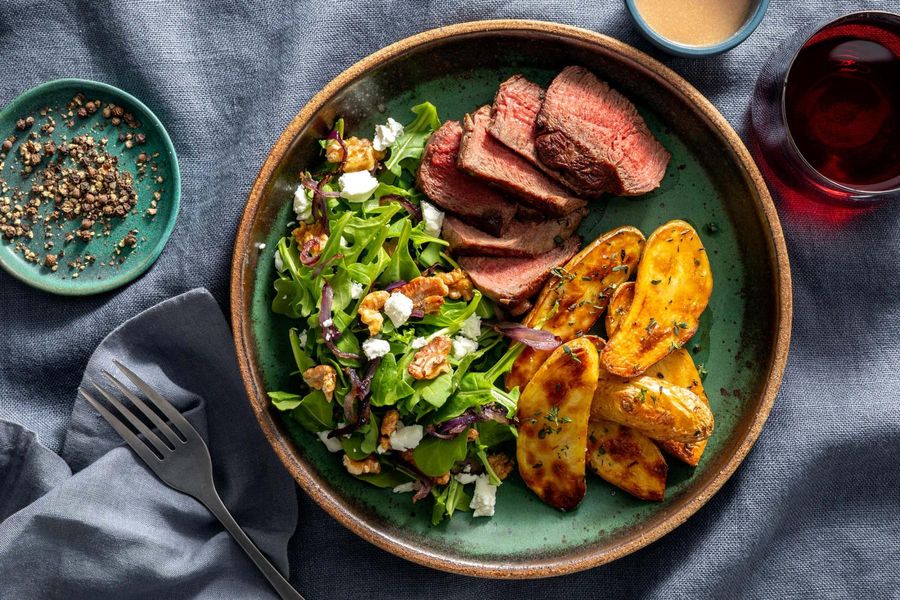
x=481, y=156
x=521, y=238
x=441, y=180
x=511, y=281
x=595, y=137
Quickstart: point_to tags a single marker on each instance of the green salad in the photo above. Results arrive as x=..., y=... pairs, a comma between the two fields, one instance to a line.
x=399, y=359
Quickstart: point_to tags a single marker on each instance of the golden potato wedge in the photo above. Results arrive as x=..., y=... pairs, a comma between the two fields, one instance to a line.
x=619, y=304
x=553, y=420
x=673, y=286
x=628, y=459
x=653, y=406
x=572, y=301
x=677, y=368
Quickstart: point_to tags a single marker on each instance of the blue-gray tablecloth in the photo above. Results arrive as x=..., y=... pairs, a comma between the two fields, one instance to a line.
x=814, y=511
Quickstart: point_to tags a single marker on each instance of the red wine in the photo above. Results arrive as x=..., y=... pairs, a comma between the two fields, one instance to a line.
x=842, y=104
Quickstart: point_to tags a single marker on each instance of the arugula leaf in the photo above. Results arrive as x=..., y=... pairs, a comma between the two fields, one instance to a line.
x=312, y=411
x=452, y=498
x=302, y=359
x=388, y=478
x=285, y=400
x=434, y=456
x=436, y=391
x=401, y=265
x=492, y=433
x=411, y=143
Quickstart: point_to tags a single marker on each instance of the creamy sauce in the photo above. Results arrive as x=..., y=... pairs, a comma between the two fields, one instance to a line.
x=695, y=22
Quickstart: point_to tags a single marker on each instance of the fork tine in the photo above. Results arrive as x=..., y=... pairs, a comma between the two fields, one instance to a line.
x=150, y=414
x=178, y=420
x=126, y=412
x=129, y=436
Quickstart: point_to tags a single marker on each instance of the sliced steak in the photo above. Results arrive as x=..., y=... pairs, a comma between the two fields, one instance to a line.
x=441, y=180
x=521, y=238
x=513, y=121
x=484, y=157
x=511, y=281
x=595, y=137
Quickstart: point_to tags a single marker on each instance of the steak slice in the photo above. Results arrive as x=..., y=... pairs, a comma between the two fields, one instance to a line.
x=484, y=157
x=441, y=180
x=511, y=281
x=521, y=238
x=513, y=116
x=595, y=137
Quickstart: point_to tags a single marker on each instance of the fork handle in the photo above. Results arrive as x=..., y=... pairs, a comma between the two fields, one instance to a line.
x=281, y=585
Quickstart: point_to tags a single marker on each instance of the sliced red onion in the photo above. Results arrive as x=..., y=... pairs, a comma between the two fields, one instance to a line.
x=423, y=488
x=453, y=427
x=535, y=338
x=414, y=211
x=306, y=256
x=357, y=407
x=319, y=208
x=393, y=286
x=335, y=135
x=417, y=313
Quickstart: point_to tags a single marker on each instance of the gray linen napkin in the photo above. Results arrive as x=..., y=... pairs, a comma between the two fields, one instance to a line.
x=94, y=522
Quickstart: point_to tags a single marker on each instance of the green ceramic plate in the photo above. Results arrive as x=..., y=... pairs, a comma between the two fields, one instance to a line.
x=152, y=232
x=712, y=182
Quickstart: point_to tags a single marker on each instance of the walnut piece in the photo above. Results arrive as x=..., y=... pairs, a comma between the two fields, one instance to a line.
x=370, y=310
x=388, y=426
x=432, y=359
x=311, y=231
x=427, y=293
x=322, y=377
x=365, y=466
x=361, y=156
x=458, y=284
x=442, y=480
x=501, y=464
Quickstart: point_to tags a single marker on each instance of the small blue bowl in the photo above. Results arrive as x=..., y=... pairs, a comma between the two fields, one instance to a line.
x=685, y=50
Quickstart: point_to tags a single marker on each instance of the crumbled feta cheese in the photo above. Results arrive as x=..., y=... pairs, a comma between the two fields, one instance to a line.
x=462, y=346
x=357, y=186
x=375, y=348
x=302, y=205
x=260, y=245
x=380, y=449
x=398, y=308
x=333, y=444
x=327, y=323
x=433, y=219
x=279, y=263
x=465, y=478
x=406, y=437
x=356, y=290
x=484, y=498
x=301, y=337
x=405, y=488
x=386, y=135
x=344, y=243
x=471, y=327
x=418, y=342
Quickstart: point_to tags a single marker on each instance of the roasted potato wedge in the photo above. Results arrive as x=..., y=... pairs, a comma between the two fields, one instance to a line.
x=628, y=459
x=654, y=407
x=619, y=304
x=572, y=301
x=673, y=286
x=677, y=368
x=553, y=421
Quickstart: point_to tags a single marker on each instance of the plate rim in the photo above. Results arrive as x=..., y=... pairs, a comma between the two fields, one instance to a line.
x=534, y=567
x=126, y=276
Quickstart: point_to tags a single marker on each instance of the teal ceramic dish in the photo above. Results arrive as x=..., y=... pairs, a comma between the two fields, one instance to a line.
x=153, y=232
x=711, y=181
x=678, y=49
